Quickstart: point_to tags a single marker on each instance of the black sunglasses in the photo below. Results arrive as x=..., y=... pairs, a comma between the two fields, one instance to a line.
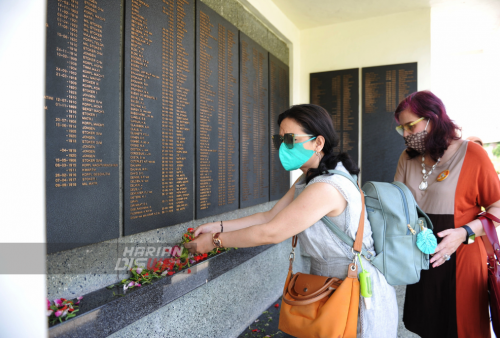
x=287, y=139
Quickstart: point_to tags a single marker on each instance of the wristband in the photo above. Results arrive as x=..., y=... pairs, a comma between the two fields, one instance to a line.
x=217, y=242
x=470, y=237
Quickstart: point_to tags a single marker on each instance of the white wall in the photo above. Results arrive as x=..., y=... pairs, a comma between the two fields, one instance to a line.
x=22, y=202
x=391, y=39
x=466, y=64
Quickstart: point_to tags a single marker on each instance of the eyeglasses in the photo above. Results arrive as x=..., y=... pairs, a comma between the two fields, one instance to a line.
x=408, y=126
x=288, y=139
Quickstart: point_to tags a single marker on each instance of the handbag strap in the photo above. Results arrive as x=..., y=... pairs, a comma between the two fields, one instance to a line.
x=357, y=244
x=331, y=282
x=491, y=239
x=490, y=216
x=308, y=301
x=292, y=254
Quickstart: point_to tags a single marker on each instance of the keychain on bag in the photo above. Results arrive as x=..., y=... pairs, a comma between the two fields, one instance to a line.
x=365, y=285
x=426, y=241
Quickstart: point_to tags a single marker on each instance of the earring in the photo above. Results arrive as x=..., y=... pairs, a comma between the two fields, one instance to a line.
x=317, y=154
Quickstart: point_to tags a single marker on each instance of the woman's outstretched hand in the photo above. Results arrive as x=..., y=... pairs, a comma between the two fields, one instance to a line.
x=452, y=238
x=201, y=244
x=207, y=228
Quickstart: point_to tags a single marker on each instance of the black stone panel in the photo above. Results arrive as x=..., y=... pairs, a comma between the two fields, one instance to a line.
x=217, y=143
x=82, y=122
x=279, y=101
x=338, y=92
x=159, y=114
x=383, y=88
x=254, y=123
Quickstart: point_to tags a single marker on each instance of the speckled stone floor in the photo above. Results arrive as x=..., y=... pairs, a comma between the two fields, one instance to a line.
x=267, y=323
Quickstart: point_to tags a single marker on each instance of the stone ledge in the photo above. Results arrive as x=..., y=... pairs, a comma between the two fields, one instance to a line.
x=101, y=313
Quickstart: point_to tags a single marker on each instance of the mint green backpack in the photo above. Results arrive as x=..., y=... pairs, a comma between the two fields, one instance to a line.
x=396, y=220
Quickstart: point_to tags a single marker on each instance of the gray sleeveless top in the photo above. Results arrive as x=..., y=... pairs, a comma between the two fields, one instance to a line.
x=331, y=257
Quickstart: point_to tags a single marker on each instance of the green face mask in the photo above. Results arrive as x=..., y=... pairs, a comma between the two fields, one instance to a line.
x=295, y=158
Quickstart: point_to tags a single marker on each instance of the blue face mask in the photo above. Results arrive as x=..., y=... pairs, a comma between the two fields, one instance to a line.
x=295, y=158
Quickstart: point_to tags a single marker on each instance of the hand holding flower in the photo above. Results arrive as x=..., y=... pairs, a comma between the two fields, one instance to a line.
x=201, y=244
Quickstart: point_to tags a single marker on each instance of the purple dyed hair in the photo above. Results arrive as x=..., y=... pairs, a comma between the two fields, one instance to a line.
x=443, y=131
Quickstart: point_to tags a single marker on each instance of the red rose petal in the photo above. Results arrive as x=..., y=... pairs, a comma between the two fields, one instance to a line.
x=276, y=305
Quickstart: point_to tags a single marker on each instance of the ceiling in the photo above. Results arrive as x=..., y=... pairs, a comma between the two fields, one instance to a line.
x=313, y=13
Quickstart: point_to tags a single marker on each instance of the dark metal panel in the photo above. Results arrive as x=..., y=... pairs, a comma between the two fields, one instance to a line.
x=254, y=123
x=338, y=92
x=383, y=88
x=279, y=101
x=217, y=143
x=159, y=114
x=82, y=122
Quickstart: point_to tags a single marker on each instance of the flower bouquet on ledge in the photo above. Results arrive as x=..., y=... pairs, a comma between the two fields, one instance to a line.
x=62, y=309
x=159, y=268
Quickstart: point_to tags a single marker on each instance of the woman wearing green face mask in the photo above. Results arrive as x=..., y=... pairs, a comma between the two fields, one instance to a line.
x=307, y=141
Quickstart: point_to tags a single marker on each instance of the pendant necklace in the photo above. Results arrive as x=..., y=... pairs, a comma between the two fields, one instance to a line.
x=423, y=185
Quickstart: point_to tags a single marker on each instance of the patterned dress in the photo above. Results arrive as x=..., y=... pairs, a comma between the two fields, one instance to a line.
x=331, y=257
x=452, y=299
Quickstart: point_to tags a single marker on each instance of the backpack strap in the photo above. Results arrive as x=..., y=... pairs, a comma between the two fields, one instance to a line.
x=357, y=244
x=346, y=239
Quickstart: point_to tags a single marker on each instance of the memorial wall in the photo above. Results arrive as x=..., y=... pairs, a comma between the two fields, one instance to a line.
x=383, y=88
x=279, y=101
x=82, y=122
x=217, y=139
x=254, y=123
x=158, y=112
x=338, y=92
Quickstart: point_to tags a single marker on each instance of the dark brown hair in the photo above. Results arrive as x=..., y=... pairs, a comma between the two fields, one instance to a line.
x=316, y=121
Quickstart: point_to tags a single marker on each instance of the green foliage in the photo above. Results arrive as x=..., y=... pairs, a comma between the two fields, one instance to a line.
x=496, y=151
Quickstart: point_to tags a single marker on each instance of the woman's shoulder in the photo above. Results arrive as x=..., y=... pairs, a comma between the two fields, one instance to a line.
x=341, y=183
x=475, y=153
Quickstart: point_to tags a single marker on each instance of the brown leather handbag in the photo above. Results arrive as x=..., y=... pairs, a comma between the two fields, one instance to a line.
x=493, y=250
x=318, y=306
